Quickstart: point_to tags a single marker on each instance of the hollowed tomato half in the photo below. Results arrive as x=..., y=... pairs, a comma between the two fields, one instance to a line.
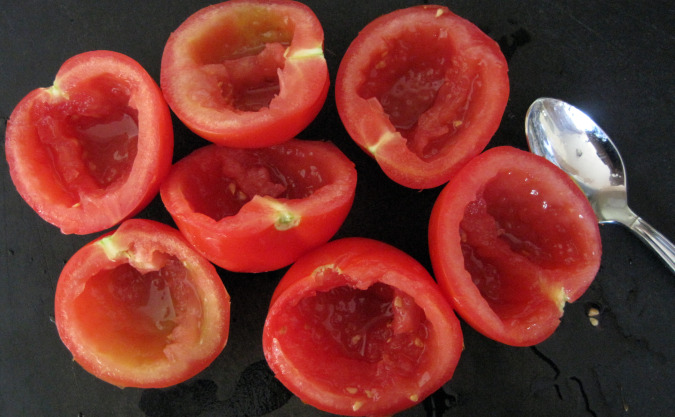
x=358, y=327
x=246, y=73
x=140, y=308
x=91, y=150
x=422, y=91
x=254, y=210
x=513, y=239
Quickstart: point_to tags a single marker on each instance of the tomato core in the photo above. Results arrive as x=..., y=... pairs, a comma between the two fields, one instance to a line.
x=243, y=51
x=380, y=328
x=127, y=314
x=90, y=137
x=406, y=79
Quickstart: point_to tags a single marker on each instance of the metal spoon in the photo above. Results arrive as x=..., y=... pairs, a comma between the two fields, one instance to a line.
x=570, y=139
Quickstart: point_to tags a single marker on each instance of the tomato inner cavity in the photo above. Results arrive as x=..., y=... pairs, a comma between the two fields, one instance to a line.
x=245, y=174
x=423, y=87
x=126, y=314
x=91, y=138
x=241, y=54
x=348, y=336
x=515, y=230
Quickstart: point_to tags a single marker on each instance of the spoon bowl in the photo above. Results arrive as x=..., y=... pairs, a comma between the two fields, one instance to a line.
x=569, y=138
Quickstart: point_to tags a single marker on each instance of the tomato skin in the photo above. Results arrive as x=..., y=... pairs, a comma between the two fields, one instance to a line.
x=106, y=281
x=49, y=143
x=277, y=203
x=202, y=76
x=365, y=374
x=512, y=239
x=422, y=91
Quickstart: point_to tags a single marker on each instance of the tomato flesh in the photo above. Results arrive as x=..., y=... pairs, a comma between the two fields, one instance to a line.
x=243, y=175
x=246, y=73
x=246, y=67
x=357, y=327
x=127, y=314
x=512, y=240
x=252, y=210
x=140, y=308
x=519, y=208
x=350, y=324
x=91, y=143
x=406, y=81
x=422, y=90
x=91, y=150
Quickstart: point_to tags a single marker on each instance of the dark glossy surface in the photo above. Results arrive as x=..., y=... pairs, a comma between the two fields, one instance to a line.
x=612, y=59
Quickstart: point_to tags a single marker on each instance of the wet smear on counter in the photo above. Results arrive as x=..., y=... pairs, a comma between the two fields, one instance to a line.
x=439, y=402
x=510, y=43
x=186, y=400
x=568, y=389
x=256, y=393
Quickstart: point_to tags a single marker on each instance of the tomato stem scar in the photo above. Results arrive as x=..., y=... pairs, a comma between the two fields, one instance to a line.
x=286, y=220
x=56, y=92
x=110, y=248
x=304, y=53
x=386, y=137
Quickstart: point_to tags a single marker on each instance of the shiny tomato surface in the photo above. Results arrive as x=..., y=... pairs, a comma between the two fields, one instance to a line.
x=358, y=327
x=255, y=210
x=92, y=149
x=141, y=308
x=513, y=239
x=422, y=90
x=246, y=73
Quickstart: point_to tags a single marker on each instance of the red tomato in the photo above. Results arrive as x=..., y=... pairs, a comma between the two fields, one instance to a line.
x=357, y=327
x=246, y=73
x=513, y=239
x=254, y=210
x=422, y=91
x=92, y=149
x=140, y=308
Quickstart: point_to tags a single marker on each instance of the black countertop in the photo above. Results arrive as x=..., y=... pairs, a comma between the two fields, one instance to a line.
x=613, y=59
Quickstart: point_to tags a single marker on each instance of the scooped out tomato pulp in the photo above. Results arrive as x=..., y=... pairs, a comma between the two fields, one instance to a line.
x=246, y=73
x=255, y=210
x=92, y=149
x=358, y=327
x=422, y=90
x=141, y=308
x=512, y=239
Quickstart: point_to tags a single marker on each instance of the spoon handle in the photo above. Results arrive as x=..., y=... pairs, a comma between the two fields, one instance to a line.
x=656, y=240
